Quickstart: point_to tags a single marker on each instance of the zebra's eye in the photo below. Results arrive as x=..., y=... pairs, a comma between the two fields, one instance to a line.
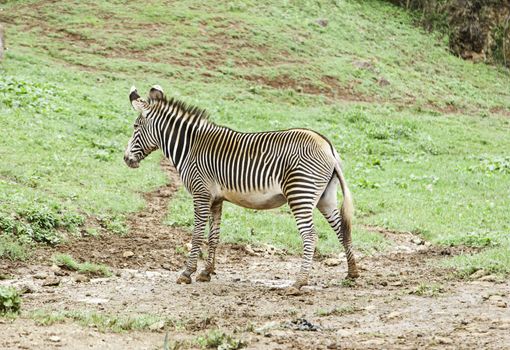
x=136, y=125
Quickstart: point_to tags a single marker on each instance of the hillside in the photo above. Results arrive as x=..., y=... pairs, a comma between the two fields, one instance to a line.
x=424, y=135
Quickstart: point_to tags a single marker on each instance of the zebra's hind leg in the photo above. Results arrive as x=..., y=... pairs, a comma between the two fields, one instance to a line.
x=328, y=207
x=214, y=236
x=304, y=220
x=201, y=208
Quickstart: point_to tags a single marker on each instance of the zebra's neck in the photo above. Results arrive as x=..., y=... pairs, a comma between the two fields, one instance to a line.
x=178, y=134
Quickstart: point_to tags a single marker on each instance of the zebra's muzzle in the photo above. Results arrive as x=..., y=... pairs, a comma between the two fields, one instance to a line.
x=132, y=163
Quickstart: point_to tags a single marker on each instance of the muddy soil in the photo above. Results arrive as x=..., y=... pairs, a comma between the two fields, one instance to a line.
x=401, y=301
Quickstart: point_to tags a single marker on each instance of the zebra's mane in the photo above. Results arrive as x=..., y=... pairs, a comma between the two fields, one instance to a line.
x=184, y=109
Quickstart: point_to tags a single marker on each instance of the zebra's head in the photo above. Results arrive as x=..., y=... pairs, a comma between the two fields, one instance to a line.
x=144, y=139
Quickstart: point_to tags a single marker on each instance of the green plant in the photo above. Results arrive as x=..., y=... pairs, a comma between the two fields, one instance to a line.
x=428, y=289
x=67, y=261
x=217, y=339
x=10, y=300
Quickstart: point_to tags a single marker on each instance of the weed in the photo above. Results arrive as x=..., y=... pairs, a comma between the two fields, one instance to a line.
x=217, y=339
x=337, y=311
x=10, y=300
x=103, y=322
x=428, y=290
x=348, y=283
x=12, y=248
x=67, y=261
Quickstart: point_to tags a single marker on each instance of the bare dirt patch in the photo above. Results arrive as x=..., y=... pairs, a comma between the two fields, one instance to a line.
x=329, y=86
x=402, y=299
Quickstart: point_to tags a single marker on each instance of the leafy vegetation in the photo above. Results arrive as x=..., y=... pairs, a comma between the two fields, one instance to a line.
x=422, y=133
x=67, y=262
x=10, y=300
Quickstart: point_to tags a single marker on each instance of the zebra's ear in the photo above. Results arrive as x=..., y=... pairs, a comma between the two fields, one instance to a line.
x=136, y=101
x=156, y=93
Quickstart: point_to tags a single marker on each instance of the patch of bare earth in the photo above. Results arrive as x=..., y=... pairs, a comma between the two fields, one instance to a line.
x=401, y=301
x=329, y=86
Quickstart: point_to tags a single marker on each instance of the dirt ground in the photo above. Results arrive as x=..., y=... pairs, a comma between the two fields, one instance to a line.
x=401, y=301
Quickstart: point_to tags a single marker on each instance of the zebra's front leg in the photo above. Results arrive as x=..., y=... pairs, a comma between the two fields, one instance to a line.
x=201, y=215
x=214, y=237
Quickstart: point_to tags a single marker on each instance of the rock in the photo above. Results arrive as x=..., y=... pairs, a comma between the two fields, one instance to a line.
x=248, y=249
x=267, y=327
x=364, y=65
x=27, y=288
x=418, y=241
x=332, y=262
x=488, y=278
x=54, y=339
x=51, y=281
x=128, y=254
x=393, y=315
x=383, y=81
x=443, y=340
x=323, y=22
x=157, y=326
x=81, y=278
x=396, y=283
x=57, y=270
x=477, y=274
x=188, y=246
x=501, y=304
x=40, y=275
x=166, y=266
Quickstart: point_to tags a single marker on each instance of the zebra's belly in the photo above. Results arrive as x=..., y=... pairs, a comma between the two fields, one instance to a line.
x=256, y=200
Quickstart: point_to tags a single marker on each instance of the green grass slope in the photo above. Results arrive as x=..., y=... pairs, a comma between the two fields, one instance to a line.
x=424, y=135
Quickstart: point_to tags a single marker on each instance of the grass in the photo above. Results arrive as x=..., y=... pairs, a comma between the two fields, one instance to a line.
x=67, y=262
x=101, y=321
x=426, y=153
x=337, y=311
x=428, y=289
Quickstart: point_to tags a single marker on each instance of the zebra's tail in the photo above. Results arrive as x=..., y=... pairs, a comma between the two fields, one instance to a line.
x=347, y=210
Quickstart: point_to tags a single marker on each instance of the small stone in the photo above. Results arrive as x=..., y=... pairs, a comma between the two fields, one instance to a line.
x=323, y=22
x=128, y=254
x=54, y=339
x=51, y=282
x=396, y=284
x=383, y=81
x=157, y=326
x=332, y=262
x=501, y=304
x=81, y=278
x=393, y=315
x=166, y=266
x=444, y=340
x=418, y=241
x=266, y=327
x=488, y=278
x=27, y=288
x=57, y=270
x=40, y=275
x=188, y=246
x=248, y=249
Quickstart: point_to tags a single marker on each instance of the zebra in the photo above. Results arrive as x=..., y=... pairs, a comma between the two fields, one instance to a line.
x=261, y=170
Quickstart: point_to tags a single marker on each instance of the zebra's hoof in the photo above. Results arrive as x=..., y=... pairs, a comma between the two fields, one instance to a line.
x=352, y=275
x=183, y=279
x=204, y=276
